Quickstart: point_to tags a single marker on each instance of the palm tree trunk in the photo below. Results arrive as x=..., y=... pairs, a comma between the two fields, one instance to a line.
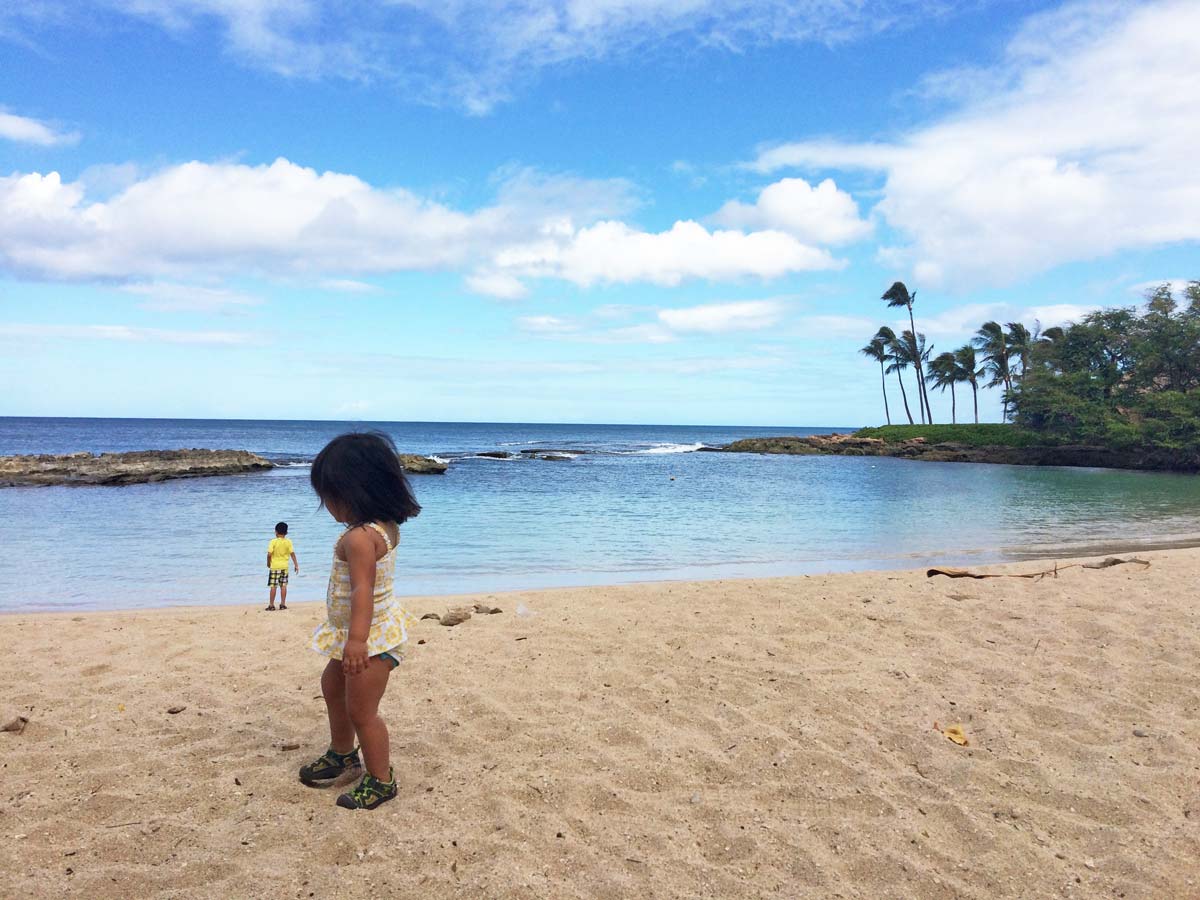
x=975, y=396
x=883, y=384
x=922, y=394
x=907, y=411
x=953, y=406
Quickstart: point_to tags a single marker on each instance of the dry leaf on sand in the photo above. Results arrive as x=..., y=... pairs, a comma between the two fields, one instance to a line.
x=956, y=734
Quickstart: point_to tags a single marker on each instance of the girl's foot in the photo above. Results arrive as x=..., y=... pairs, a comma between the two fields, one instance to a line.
x=370, y=793
x=329, y=766
x=271, y=608
x=283, y=606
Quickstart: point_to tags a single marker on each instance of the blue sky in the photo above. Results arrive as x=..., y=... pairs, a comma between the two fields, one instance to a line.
x=672, y=211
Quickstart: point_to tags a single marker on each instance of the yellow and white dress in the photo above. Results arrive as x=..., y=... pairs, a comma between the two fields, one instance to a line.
x=389, y=622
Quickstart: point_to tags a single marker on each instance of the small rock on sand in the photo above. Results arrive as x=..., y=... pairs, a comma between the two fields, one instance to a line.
x=16, y=726
x=455, y=616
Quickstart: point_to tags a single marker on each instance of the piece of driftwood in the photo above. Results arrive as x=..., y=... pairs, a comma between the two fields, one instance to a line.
x=1107, y=563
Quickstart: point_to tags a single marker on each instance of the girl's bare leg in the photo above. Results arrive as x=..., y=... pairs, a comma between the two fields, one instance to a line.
x=333, y=688
x=282, y=595
x=363, y=693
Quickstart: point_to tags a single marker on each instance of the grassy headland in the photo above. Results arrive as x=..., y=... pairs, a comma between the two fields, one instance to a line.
x=990, y=435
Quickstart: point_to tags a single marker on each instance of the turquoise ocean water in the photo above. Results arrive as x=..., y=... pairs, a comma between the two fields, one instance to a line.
x=632, y=503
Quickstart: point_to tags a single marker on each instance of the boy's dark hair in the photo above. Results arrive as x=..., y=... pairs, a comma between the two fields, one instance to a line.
x=363, y=474
x=281, y=527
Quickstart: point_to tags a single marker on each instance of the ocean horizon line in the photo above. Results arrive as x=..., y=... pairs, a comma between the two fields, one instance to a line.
x=579, y=424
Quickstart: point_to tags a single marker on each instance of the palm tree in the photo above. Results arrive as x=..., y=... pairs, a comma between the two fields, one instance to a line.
x=896, y=296
x=991, y=340
x=1019, y=342
x=911, y=350
x=969, y=371
x=946, y=374
x=897, y=363
x=877, y=350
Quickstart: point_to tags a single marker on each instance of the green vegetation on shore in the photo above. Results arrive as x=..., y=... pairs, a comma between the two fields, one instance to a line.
x=1126, y=379
x=992, y=435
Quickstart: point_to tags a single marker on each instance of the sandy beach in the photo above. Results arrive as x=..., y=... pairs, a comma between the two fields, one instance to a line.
x=716, y=739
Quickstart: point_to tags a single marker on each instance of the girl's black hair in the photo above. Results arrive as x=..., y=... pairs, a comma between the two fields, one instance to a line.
x=362, y=473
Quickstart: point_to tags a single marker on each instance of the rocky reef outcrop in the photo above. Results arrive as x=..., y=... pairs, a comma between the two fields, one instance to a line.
x=415, y=464
x=126, y=468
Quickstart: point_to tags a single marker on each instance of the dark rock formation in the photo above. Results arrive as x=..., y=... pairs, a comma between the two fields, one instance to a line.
x=126, y=468
x=415, y=464
x=495, y=454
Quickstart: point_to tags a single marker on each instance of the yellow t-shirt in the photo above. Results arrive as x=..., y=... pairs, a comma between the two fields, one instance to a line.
x=280, y=550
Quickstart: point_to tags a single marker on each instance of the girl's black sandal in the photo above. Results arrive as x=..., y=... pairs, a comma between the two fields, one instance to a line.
x=369, y=793
x=329, y=766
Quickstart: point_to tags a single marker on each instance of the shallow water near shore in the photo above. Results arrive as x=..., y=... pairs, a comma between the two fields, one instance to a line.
x=630, y=503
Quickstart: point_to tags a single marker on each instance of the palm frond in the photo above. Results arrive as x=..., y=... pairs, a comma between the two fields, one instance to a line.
x=897, y=295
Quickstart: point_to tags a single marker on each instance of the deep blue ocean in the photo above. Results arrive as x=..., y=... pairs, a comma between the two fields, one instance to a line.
x=631, y=503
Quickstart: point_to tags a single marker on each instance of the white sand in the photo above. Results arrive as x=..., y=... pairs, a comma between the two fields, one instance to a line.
x=724, y=739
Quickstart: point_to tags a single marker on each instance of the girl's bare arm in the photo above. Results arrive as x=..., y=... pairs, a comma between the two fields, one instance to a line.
x=359, y=547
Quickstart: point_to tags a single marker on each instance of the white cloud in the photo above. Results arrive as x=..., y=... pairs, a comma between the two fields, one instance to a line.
x=171, y=297
x=957, y=320
x=1177, y=286
x=123, y=333
x=1055, y=314
x=821, y=215
x=612, y=252
x=958, y=323
x=667, y=327
x=228, y=218
x=547, y=325
x=1082, y=142
x=496, y=284
x=32, y=131
x=473, y=53
x=203, y=221
x=718, y=318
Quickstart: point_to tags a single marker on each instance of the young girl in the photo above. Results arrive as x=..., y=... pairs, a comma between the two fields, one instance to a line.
x=360, y=481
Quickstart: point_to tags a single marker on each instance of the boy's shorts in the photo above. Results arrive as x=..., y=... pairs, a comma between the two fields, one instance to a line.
x=277, y=577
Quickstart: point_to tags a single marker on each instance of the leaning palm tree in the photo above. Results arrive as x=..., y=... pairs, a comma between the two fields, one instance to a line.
x=970, y=372
x=896, y=363
x=990, y=340
x=945, y=373
x=896, y=296
x=1019, y=342
x=877, y=350
x=911, y=349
